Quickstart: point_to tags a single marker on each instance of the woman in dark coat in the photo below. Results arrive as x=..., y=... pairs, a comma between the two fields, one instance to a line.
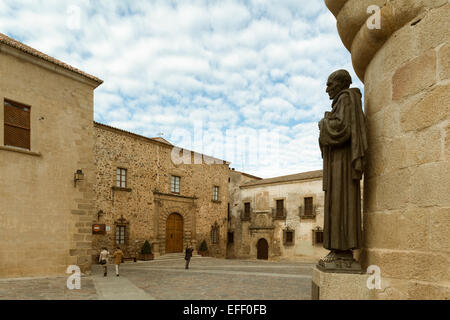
x=188, y=256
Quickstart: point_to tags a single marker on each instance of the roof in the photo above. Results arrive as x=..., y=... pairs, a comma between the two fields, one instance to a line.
x=290, y=178
x=159, y=140
x=162, y=140
x=133, y=135
x=4, y=39
x=246, y=174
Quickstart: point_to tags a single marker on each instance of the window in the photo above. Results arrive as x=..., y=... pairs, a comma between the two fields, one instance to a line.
x=317, y=235
x=17, y=125
x=120, y=234
x=121, y=178
x=280, y=208
x=215, y=234
x=175, y=184
x=216, y=193
x=309, y=208
x=288, y=236
x=247, y=210
x=230, y=237
x=228, y=212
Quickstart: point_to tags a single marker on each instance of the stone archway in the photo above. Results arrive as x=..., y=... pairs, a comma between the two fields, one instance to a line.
x=262, y=249
x=174, y=233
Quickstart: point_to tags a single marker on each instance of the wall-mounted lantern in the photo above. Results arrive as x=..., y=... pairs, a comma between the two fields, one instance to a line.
x=99, y=213
x=78, y=176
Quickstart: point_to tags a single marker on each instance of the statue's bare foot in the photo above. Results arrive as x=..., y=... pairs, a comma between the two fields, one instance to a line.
x=330, y=257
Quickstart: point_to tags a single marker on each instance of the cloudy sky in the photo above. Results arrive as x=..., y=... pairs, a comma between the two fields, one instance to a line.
x=243, y=81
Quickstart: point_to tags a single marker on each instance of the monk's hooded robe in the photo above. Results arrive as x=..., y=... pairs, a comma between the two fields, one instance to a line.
x=343, y=143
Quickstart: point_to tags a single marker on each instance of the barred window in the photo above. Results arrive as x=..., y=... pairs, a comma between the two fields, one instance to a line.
x=17, y=125
x=120, y=234
x=216, y=193
x=121, y=178
x=175, y=184
x=215, y=234
x=289, y=236
x=317, y=235
x=309, y=208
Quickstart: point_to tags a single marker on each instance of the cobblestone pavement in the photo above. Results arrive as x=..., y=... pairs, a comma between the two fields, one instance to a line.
x=217, y=279
x=206, y=279
x=46, y=289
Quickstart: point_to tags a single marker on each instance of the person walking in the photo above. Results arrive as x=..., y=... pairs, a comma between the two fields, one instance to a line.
x=118, y=257
x=103, y=259
x=188, y=256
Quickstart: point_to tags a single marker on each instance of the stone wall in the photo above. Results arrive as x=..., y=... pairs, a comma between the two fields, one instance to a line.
x=45, y=220
x=405, y=69
x=238, y=247
x=262, y=197
x=147, y=201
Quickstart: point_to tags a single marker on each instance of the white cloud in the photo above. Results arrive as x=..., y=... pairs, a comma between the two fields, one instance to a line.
x=240, y=67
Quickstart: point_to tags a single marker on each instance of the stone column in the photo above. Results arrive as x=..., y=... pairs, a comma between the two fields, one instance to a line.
x=405, y=67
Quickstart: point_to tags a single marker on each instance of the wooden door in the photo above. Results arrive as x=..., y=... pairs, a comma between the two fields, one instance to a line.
x=174, y=233
x=263, y=249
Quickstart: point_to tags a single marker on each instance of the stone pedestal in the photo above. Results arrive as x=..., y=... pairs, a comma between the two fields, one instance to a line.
x=340, y=286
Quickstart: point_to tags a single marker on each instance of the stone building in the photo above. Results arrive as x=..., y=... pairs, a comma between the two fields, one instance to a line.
x=46, y=145
x=276, y=217
x=141, y=194
x=405, y=68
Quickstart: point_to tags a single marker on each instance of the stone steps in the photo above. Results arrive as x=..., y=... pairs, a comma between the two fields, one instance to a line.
x=174, y=256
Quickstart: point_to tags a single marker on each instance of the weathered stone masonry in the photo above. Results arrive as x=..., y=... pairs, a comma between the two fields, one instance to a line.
x=147, y=201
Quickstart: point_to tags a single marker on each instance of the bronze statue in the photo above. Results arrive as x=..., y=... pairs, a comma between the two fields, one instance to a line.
x=343, y=144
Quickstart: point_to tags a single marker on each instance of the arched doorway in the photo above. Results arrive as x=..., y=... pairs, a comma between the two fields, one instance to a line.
x=263, y=249
x=174, y=233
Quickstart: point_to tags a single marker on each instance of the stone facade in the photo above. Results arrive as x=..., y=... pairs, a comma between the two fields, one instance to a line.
x=146, y=202
x=405, y=69
x=263, y=222
x=45, y=219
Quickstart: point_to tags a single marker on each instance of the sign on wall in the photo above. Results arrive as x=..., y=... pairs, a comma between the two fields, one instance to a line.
x=98, y=229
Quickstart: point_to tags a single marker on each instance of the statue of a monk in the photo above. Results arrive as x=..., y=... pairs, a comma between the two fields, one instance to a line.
x=343, y=144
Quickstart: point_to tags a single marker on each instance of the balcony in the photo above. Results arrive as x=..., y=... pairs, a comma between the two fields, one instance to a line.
x=279, y=214
x=309, y=213
x=245, y=216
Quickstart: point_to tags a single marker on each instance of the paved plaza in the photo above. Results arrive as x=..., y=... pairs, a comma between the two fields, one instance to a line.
x=167, y=279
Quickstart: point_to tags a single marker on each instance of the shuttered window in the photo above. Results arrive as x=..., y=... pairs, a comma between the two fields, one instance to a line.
x=280, y=208
x=247, y=209
x=17, y=125
x=309, y=207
